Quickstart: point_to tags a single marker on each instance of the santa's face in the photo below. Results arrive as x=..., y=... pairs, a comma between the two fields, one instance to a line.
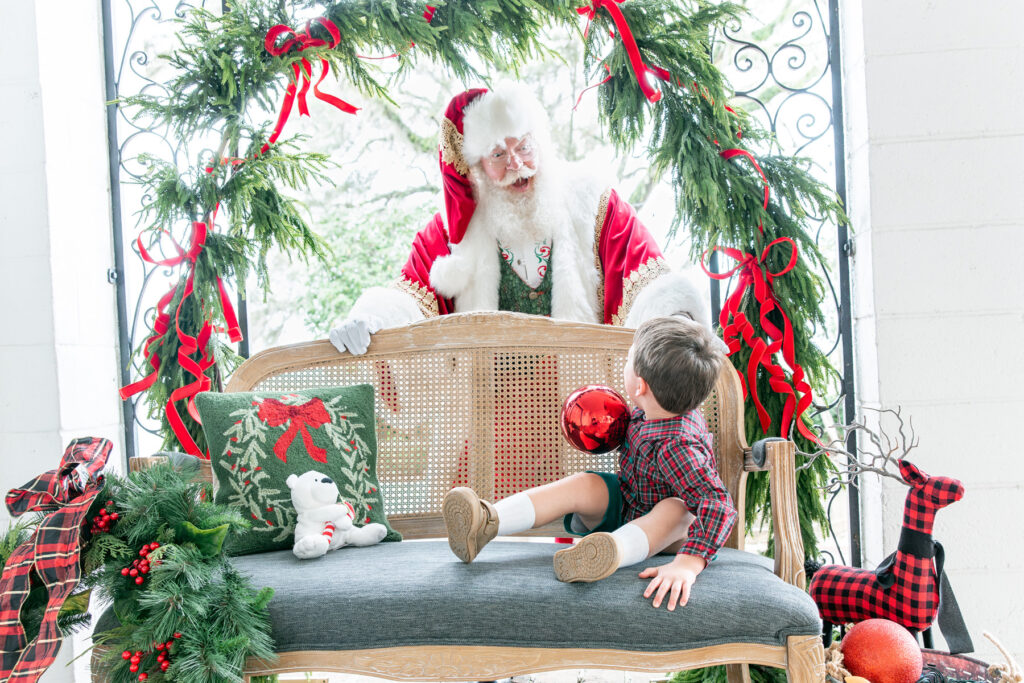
x=513, y=164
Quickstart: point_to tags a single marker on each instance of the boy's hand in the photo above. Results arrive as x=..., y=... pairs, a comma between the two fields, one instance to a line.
x=674, y=578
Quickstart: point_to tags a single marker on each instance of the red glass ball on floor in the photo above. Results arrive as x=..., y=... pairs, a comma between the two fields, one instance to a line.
x=595, y=418
x=882, y=652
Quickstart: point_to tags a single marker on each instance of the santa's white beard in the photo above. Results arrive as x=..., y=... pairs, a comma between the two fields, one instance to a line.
x=515, y=217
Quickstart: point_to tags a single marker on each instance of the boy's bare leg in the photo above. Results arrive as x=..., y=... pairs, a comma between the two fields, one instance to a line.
x=665, y=525
x=472, y=523
x=584, y=493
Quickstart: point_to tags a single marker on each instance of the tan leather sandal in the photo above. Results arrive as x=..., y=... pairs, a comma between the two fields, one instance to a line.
x=471, y=522
x=593, y=558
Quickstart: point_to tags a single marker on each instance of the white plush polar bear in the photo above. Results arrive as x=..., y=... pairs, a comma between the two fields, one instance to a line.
x=323, y=523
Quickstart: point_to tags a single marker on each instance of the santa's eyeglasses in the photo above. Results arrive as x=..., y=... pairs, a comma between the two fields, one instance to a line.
x=523, y=151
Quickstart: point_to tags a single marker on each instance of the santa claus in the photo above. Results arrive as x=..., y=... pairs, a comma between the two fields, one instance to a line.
x=523, y=231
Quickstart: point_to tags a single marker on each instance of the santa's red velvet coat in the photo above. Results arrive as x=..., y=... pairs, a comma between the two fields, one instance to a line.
x=605, y=265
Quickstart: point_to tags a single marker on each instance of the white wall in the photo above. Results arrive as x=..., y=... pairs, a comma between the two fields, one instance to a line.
x=58, y=353
x=935, y=142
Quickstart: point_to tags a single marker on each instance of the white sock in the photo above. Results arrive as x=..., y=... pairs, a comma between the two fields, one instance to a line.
x=632, y=543
x=515, y=514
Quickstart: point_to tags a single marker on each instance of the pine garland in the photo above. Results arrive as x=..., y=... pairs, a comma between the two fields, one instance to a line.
x=190, y=606
x=222, y=70
x=159, y=560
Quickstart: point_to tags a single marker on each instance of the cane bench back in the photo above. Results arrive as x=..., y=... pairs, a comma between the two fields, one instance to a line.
x=474, y=400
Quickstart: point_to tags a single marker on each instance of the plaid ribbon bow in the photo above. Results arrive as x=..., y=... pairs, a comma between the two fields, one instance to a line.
x=66, y=493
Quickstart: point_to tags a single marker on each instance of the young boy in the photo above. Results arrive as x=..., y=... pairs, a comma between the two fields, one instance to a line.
x=667, y=494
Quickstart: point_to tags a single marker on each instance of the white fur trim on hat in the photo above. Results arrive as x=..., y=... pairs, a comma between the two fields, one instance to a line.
x=508, y=111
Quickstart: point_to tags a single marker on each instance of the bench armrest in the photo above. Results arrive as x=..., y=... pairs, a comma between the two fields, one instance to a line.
x=204, y=469
x=780, y=457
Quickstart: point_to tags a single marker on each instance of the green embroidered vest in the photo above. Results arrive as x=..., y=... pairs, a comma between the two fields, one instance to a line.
x=515, y=295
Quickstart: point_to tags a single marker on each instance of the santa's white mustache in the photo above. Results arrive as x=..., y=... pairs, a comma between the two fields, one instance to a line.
x=512, y=176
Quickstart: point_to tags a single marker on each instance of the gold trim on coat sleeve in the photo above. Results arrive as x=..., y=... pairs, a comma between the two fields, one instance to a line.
x=425, y=299
x=648, y=272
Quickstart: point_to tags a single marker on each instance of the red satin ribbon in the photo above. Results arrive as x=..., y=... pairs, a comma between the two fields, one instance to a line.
x=731, y=153
x=303, y=417
x=188, y=344
x=737, y=328
x=304, y=70
x=590, y=87
x=640, y=69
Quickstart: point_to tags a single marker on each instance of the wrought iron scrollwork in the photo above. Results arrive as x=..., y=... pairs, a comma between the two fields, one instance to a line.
x=136, y=33
x=781, y=68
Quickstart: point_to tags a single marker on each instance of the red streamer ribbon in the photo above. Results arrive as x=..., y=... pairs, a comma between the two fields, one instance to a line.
x=304, y=70
x=303, y=417
x=590, y=87
x=188, y=344
x=737, y=328
x=641, y=70
x=731, y=153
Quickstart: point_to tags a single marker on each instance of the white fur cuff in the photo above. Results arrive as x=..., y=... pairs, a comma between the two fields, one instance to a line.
x=390, y=306
x=450, y=275
x=670, y=294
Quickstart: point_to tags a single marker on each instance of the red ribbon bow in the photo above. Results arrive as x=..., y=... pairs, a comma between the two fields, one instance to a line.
x=642, y=71
x=303, y=69
x=188, y=344
x=736, y=327
x=303, y=417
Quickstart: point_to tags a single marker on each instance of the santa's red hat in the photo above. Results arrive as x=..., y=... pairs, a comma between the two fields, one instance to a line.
x=474, y=122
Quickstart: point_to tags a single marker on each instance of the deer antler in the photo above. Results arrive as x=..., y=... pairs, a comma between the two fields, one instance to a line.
x=880, y=455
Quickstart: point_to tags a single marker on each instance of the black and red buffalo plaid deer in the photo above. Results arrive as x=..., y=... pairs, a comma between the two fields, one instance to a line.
x=909, y=587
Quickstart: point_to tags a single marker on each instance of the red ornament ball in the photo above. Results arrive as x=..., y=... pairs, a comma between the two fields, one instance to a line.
x=594, y=419
x=882, y=651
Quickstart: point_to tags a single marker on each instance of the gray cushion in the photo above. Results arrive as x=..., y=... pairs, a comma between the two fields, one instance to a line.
x=419, y=593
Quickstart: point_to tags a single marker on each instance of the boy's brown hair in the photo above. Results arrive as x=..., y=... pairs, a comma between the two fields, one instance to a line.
x=679, y=360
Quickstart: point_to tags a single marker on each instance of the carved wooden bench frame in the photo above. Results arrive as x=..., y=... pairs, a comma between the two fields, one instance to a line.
x=802, y=657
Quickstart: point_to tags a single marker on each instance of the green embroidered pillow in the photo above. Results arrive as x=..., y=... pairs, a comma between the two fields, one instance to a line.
x=257, y=439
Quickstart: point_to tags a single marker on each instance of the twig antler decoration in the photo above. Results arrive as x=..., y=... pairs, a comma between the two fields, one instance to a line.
x=879, y=455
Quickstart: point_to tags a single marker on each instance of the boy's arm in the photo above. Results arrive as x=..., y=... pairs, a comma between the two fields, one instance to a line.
x=687, y=468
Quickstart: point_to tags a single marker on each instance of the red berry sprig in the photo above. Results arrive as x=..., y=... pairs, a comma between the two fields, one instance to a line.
x=139, y=567
x=103, y=520
x=163, y=657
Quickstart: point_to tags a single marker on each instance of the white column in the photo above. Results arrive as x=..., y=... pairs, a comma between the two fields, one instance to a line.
x=935, y=137
x=58, y=338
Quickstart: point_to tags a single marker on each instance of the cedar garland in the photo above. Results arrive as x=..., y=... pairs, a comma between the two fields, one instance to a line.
x=222, y=69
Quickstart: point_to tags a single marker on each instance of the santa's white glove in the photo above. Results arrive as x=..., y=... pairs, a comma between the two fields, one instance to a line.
x=353, y=334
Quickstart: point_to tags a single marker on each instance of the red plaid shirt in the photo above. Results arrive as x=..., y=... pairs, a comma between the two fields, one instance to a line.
x=674, y=457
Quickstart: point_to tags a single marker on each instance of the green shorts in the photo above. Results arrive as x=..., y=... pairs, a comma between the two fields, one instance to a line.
x=612, y=519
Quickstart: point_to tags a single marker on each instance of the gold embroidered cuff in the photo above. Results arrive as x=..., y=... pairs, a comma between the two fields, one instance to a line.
x=647, y=273
x=425, y=299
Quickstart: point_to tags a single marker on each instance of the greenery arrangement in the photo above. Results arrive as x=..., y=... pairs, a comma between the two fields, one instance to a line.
x=223, y=70
x=183, y=612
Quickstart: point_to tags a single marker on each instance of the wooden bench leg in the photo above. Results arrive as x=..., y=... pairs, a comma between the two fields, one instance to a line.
x=805, y=659
x=737, y=673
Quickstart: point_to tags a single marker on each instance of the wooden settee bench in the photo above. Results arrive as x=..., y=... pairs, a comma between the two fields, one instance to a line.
x=474, y=399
